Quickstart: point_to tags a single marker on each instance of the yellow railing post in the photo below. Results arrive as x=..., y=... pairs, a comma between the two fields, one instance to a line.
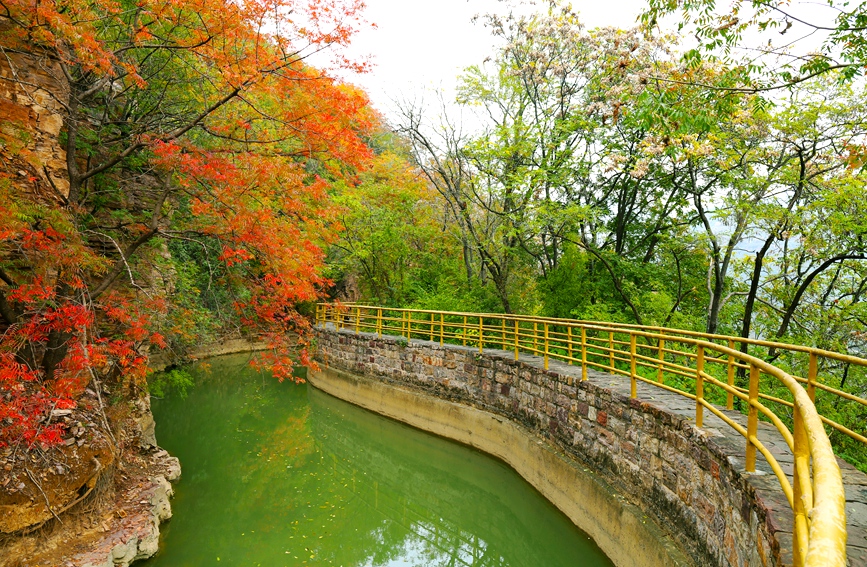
x=611, y=350
x=379, y=321
x=583, y=352
x=337, y=318
x=442, y=328
x=464, y=332
x=517, y=333
x=661, y=356
x=633, y=386
x=481, y=335
x=546, y=346
x=730, y=397
x=569, y=339
x=752, y=418
x=535, y=338
x=357, y=319
x=811, y=376
x=801, y=489
x=431, y=329
x=699, y=387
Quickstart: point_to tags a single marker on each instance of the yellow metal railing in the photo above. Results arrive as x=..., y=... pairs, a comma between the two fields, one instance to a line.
x=683, y=362
x=812, y=360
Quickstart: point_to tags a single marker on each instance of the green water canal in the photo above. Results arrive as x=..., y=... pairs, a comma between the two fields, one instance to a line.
x=285, y=475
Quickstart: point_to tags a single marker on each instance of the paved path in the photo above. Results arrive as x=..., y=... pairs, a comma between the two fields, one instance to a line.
x=729, y=442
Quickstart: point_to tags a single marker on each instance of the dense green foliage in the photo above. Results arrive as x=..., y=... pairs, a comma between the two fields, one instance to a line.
x=609, y=182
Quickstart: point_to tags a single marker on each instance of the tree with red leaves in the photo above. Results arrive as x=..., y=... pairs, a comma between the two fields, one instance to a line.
x=194, y=139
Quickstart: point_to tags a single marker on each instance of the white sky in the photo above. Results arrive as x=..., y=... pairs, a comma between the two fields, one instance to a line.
x=425, y=44
x=420, y=44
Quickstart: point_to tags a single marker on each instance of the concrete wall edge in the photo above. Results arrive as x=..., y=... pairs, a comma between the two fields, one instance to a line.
x=623, y=531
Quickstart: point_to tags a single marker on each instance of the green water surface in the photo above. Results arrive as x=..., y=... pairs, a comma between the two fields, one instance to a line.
x=284, y=475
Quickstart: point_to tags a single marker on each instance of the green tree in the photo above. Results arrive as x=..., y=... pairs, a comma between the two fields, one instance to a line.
x=770, y=44
x=393, y=246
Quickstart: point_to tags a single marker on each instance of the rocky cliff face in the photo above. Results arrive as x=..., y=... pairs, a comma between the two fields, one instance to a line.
x=108, y=492
x=33, y=94
x=117, y=529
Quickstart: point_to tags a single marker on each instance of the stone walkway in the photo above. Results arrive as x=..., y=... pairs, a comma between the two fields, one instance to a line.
x=728, y=442
x=723, y=442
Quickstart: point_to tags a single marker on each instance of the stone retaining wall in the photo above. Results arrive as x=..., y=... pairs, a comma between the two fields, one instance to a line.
x=690, y=480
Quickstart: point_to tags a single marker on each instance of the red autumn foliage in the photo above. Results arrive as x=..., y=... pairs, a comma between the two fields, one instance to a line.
x=183, y=121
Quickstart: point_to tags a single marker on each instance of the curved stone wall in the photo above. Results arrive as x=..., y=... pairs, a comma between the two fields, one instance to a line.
x=619, y=528
x=645, y=453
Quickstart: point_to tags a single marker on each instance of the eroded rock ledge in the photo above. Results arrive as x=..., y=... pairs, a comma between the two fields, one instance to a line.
x=144, y=505
x=117, y=525
x=109, y=530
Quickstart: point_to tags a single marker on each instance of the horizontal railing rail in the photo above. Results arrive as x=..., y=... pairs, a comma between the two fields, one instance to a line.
x=688, y=363
x=812, y=361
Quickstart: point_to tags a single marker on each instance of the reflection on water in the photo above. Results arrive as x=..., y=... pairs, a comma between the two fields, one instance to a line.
x=282, y=474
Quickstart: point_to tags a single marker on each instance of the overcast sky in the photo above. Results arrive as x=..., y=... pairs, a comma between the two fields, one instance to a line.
x=419, y=44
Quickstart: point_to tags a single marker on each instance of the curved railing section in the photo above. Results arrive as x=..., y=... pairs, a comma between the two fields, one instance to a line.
x=705, y=368
x=803, y=363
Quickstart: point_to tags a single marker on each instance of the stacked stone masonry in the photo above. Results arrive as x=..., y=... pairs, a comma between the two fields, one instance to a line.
x=691, y=480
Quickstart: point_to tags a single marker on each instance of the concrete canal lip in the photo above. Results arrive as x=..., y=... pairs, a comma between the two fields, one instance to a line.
x=623, y=532
x=689, y=482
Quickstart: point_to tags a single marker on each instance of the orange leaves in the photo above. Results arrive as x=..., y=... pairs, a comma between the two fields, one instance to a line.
x=35, y=291
x=232, y=256
x=331, y=21
x=242, y=41
x=67, y=318
x=213, y=98
x=67, y=27
x=260, y=198
x=158, y=340
x=40, y=240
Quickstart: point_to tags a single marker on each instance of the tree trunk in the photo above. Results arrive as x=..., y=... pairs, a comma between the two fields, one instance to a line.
x=799, y=294
x=754, y=289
